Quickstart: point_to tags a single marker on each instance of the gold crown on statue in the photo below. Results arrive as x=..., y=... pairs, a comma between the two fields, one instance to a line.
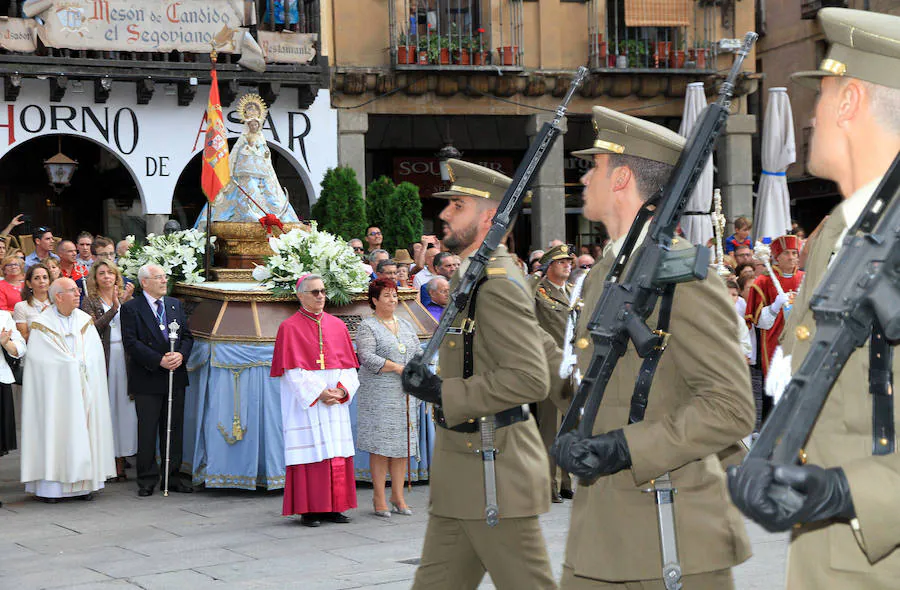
x=252, y=106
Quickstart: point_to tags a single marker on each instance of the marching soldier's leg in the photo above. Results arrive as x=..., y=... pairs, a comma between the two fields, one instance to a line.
x=548, y=423
x=514, y=552
x=448, y=558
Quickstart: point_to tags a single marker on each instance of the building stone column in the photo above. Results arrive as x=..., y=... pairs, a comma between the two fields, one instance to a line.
x=352, y=128
x=155, y=222
x=735, y=160
x=548, y=201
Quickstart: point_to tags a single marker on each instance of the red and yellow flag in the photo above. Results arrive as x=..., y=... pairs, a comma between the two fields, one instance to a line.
x=215, y=173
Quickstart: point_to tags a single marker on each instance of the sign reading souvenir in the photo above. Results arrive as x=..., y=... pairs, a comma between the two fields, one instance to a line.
x=294, y=48
x=134, y=25
x=17, y=34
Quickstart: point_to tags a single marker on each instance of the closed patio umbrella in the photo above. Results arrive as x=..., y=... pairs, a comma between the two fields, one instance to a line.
x=773, y=207
x=697, y=223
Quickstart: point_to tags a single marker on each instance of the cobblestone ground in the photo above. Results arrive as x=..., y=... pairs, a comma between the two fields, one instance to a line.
x=237, y=539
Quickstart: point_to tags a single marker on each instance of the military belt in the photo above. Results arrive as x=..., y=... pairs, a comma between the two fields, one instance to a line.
x=501, y=419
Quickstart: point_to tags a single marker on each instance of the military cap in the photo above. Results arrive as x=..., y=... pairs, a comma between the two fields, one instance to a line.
x=561, y=252
x=471, y=180
x=863, y=45
x=617, y=133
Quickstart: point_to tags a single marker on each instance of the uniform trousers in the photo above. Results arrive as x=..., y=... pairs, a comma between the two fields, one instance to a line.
x=152, y=412
x=549, y=419
x=717, y=580
x=457, y=553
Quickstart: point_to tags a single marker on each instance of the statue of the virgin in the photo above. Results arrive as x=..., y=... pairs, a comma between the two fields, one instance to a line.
x=250, y=162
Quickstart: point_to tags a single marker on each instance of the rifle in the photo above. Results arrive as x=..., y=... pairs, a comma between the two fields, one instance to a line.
x=506, y=213
x=859, y=293
x=620, y=315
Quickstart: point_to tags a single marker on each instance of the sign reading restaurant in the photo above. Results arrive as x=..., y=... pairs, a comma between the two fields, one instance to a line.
x=150, y=26
x=156, y=141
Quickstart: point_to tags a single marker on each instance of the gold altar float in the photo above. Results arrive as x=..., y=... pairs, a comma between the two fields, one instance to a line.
x=233, y=307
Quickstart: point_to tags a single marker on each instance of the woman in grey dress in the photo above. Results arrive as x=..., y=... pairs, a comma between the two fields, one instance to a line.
x=386, y=417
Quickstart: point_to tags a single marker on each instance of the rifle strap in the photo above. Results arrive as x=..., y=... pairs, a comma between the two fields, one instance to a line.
x=631, y=238
x=880, y=386
x=468, y=331
x=641, y=395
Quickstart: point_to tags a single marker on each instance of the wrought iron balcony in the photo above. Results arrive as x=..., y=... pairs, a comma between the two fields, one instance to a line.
x=670, y=42
x=183, y=68
x=451, y=34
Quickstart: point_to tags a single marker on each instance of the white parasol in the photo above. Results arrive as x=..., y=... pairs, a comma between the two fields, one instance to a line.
x=697, y=229
x=773, y=205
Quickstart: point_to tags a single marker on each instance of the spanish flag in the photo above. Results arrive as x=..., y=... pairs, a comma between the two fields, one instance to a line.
x=215, y=173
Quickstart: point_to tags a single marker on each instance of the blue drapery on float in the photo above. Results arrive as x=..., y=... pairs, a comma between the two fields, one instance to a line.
x=232, y=420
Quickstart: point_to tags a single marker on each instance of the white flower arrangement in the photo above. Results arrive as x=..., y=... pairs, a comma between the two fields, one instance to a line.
x=299, y=252
x=180, y=254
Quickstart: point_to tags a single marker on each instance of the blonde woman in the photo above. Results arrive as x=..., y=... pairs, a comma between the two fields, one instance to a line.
x=106, y=291
x=12, y=283
x=52, y=265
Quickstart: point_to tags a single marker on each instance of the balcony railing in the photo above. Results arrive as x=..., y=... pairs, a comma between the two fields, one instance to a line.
x=456, y=33
x=613, y=45
x=809, y=9
x=303, y=16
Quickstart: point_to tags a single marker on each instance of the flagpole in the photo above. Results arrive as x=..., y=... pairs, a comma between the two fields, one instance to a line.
x=213, y=56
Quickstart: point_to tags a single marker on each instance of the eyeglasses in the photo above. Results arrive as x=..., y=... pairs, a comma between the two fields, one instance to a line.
x=316, y=292
x=357, y=248
x=586, y=266
x=158, y=278
x=71, y=291
x=106, y=255
x=374, y=233
x=11, y=264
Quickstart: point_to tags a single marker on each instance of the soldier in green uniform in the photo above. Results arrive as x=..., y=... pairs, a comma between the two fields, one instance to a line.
x=846, y=533
x=489, y=371
x=700, y=402
x=551, y=306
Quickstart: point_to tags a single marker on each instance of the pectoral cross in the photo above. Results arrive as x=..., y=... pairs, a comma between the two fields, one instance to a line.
x=321, y=361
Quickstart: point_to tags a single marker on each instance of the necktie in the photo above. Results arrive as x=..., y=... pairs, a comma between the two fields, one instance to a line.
x=161, y=315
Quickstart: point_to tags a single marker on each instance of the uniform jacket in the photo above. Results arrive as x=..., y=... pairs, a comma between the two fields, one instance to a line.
x=551, y=306
x=832, y=556
x=145, y=344
x=700, y=403
x=510, y=369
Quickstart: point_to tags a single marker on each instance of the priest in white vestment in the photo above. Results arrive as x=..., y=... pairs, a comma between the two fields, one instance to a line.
x=67, y=439
x=315, y=359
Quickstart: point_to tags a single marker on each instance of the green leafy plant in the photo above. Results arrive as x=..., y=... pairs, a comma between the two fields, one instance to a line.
x=379, y=202
x=341, y=209
x=405, y=214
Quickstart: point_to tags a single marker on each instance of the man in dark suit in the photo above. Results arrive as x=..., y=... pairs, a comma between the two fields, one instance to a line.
x=145, y=336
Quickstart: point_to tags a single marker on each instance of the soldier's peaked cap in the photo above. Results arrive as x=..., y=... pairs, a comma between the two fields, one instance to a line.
x=863, y=45
x=618, y=133
x=471, y=180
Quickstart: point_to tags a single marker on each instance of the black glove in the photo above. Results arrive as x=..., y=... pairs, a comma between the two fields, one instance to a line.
x=589, y=458
x=419, y=382
x=778, y=497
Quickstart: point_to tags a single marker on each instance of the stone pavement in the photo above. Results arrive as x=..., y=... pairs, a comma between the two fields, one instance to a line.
x=218, y=539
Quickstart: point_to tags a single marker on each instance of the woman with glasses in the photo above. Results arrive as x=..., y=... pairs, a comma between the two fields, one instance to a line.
x=105, y=293
x=35, y=298
x=386, y=416
x=12, y=283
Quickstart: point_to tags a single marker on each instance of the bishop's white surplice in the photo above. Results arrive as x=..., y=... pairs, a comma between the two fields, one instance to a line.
x=67, y=440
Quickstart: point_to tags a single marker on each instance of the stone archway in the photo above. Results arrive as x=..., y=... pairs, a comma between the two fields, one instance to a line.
x=104, y=196
x=188, y=198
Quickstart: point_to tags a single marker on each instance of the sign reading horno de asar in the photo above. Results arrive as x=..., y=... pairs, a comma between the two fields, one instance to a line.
x=137, y=25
